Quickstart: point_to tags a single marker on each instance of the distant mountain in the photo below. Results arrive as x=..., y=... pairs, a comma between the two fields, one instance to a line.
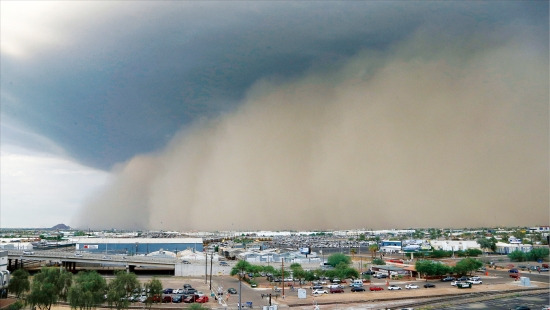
x=61, y=227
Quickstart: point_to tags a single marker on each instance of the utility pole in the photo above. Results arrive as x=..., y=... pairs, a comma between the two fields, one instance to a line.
x=361, y=266
x=283, y=272
x=211, y=258
x=205, y=267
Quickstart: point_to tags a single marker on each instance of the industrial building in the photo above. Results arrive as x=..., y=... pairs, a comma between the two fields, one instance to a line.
x=137, y=246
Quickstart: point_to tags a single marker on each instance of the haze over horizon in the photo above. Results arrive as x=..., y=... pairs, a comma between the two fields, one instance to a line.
x=276, y=116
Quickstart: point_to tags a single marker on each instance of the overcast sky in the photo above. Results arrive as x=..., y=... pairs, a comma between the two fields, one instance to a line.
x=275, y=115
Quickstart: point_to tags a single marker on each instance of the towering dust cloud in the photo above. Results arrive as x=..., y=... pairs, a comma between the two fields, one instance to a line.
x=455, y=137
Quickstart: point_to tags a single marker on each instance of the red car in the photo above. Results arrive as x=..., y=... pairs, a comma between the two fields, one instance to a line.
x=376, y=288
x=202, y=299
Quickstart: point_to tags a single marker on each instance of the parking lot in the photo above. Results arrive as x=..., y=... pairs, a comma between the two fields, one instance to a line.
x=495, y=281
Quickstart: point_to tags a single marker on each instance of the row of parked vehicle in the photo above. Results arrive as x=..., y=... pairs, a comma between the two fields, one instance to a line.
x=187, y=294
x=355, y=288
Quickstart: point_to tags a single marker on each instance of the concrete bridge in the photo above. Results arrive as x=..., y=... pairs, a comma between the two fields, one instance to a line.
x=70, y=261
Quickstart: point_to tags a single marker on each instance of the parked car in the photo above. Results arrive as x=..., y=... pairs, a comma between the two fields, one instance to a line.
x=357, y=289
x=167, y=298
x=522, y=267
x=178, y=291
x=231, y=290
x=202, y=299
x=177, y=298
x=428, y=285
x=186, y=262
x=224, y=264
x=189, y=291
x=475, y=281
x=319, y=292
x=448, y=279
x=381, y=276
x=331, y=286
x=317, y=287
x=168, y=291
x=475, y=278
x=187, y=286
x=336, y=290
x=464, y=285
x=514, y=275
x=513, y=270
x=189, y=299
x=462, y=279
x=543, y=270
x=78, y=254
x=394, y=287
x=455, y=283
x=411, y=286
x=376, y=288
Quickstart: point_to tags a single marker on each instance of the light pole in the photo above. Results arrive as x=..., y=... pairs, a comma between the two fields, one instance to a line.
x=211, y=258
x=240, y=289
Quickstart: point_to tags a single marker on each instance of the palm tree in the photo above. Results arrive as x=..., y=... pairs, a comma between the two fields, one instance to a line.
x=373, y=248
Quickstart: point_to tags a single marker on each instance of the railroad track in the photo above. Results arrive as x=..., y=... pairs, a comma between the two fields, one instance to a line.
x=474, y=297
x=444, y=299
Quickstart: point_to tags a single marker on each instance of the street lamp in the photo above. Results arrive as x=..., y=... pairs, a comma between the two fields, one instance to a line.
x=241, y=273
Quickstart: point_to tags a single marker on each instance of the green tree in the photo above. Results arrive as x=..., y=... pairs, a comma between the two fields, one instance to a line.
x=418, y=234
x=297, y=271
x=268, y=269
x=378, y=261
x=154, y=291
x=538, y=254
x=373, y=248
x=241, y=268
x=431, y=268
x=309, y=275
x=48, y=286
x=517, y=256
x=488, y=244
x=19, y=282
x=120, y=288
x=338, y=258
x=87, y=291
x=467, y=265
x=441, y=253
x=473, y=252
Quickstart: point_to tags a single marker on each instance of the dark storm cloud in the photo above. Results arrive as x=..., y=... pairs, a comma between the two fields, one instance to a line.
x=260, y=114
x=435, y=130
x=133, y=74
